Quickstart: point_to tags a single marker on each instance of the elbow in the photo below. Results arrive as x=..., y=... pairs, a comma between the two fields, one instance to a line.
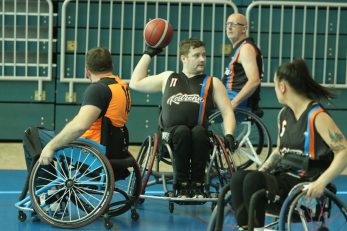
x=133, y=85
x=256, y=82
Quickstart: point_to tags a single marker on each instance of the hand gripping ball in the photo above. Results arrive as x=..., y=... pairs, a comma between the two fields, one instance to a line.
x=158, y=33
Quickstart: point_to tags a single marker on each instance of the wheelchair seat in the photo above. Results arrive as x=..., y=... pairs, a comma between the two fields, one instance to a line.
x=156, y=152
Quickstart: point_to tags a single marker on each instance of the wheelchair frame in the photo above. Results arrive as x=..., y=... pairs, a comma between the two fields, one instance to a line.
x=219, y=170
x=254, y=140
x=83, y=187
x=296, y=209
x=312, y=213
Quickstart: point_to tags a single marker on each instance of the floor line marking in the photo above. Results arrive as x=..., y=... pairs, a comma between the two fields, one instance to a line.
x=147, y=192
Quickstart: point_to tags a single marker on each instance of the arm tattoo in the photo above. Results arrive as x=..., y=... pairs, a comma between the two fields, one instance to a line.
x=337, y=139
x=273, y=160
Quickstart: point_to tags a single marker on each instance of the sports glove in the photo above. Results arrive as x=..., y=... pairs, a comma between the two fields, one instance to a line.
x=230, y=142
x=151, y=51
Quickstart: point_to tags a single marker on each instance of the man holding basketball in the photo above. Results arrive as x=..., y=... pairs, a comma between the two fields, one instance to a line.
x=188, y=100
x=244, y=71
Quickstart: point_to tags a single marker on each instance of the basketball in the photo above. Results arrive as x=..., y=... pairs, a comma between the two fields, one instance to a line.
x=158, y=33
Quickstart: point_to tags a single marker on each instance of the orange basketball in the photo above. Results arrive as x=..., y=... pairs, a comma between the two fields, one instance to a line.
x=158, y=33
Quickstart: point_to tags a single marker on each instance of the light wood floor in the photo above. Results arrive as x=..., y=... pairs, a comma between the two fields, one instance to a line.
x=12, y=157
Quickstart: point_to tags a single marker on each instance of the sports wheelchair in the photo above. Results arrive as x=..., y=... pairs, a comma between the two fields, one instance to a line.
x=253, y=137
x=155, y=153
x=79, y=186
x=296, y=212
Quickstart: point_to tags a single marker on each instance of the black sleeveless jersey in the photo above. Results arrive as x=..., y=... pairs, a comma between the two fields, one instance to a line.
x=183, y=100
x=299, y=140
x=234, y=76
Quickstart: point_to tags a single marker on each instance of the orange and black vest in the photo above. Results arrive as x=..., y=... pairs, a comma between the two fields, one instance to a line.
x=111, y=94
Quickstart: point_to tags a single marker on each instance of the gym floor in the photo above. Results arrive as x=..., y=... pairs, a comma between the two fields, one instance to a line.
x=154, y=214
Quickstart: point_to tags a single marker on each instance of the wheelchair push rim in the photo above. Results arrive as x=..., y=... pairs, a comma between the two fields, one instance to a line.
x=325, y=213
x=77, y=191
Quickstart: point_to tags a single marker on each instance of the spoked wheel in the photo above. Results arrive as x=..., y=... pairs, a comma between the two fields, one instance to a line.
x=75, y=189
x=220, y=168
x=127, y=191
x=253, y=137
x=301, y=213
x=145, y=160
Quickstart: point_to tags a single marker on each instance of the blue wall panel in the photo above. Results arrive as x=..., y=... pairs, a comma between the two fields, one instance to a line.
x=143, y=121
x=16, y=117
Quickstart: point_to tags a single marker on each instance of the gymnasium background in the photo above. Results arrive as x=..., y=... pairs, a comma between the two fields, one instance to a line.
x=43, y=44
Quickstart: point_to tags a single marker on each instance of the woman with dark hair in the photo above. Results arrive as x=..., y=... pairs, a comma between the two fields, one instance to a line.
x=310, y=147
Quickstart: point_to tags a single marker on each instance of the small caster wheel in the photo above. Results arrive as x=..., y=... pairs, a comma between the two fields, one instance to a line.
x=22, y=216
x=108, y=224
x=171, y=207
x=140, y=201
x=134, y=215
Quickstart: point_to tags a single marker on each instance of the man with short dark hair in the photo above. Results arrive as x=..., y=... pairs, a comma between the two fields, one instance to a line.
x=107, y=96
x=188, y=100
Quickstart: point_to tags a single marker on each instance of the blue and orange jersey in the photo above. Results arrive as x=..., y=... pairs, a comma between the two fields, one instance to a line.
x=234, y=76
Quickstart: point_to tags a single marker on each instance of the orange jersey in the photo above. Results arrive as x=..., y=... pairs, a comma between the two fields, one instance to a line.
x=111, y=94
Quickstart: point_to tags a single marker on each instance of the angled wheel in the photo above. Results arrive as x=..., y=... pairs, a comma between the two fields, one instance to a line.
x=127, y=191
x=301, y=213
x=79, y=189
x=253, y=137
x=145, y=159
x=220, y=168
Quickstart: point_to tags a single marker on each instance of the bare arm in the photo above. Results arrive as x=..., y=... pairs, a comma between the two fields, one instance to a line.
x=141, y=82
x=272, y=161
x=275, y=157
x=249, y=62
x=74, y=129
x=222, y=101
x=332, y=135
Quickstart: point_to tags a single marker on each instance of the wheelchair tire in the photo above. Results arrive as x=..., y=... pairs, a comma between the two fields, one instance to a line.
x=145, y=160
x=220, y=167
x=252, y=135
x=79, y=190
x=127, y=192
x=301, y=213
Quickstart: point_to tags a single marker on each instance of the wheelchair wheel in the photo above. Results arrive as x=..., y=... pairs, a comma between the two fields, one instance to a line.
x=127, y=191
x=220, y=168
x=145, y=160
x=78, y=189
x=325, y=213
x=253, y=137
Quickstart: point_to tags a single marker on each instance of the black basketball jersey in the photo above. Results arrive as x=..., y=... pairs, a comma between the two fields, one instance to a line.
x=300, y=142
x=234, y=76
x=187, y=101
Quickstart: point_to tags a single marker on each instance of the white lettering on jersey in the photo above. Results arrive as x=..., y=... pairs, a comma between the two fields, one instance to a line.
x=227, y=71
x=179, y=98
x=173, y=82
x=283, y=128
x=297, y=152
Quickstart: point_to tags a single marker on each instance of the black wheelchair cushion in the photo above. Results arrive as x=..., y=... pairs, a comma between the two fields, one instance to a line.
x=120, y=167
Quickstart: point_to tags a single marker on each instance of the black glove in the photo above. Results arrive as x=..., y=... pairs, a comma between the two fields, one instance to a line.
x=151, y=51
x=230, y=142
